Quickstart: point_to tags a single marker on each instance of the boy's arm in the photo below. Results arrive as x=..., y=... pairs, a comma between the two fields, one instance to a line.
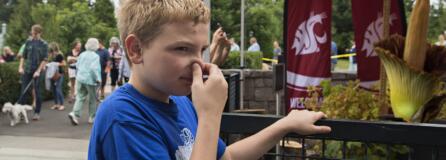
x=257, y=145
x=209, y=98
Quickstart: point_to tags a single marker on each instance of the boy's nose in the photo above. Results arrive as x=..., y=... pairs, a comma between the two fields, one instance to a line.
x=199, y=61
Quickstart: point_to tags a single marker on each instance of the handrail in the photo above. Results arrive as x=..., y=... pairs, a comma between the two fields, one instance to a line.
x=386, y=132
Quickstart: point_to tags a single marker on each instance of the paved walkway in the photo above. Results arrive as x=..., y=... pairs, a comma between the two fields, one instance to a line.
x=42, y=148
x=52, y=137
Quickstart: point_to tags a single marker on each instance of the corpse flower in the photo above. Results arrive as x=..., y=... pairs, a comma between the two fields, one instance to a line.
x=414, y=69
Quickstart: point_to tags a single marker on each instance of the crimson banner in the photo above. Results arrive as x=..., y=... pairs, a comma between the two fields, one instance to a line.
x=308, y=41
x=368, y=26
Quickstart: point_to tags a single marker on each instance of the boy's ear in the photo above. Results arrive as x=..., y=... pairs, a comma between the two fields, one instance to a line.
x=133, y=45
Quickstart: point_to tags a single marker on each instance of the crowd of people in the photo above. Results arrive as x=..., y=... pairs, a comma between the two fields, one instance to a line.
x=87, y=68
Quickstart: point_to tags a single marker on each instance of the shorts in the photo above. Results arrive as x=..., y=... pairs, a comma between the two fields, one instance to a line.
x=104, y=79
x=71, y=73
x=114, y=74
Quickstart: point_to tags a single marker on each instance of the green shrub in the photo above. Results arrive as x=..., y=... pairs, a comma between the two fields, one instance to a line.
x=349, y=101
x=253, y=60
x=440, y=91
x=10, y=84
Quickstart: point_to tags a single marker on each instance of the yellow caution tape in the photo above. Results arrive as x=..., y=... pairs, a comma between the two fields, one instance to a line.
x=332, y=57
x=344, y=55
x=270, y=60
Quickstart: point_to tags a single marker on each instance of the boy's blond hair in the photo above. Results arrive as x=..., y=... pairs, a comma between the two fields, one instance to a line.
x=145, y=18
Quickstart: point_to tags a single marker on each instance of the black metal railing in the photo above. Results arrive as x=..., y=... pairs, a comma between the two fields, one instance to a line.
x=397, y=140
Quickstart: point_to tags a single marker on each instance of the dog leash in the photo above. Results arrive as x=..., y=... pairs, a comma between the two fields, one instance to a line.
x=25, y=90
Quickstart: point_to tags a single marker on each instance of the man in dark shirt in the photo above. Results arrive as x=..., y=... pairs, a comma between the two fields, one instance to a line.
x=104, y=58
x=31, y=65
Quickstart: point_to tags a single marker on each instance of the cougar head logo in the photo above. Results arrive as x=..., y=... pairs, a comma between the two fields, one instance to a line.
x=373, y=34
x=187, y=137
x=306, y=41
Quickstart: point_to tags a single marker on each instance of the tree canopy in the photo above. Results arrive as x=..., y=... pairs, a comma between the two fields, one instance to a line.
x=62, y=21
x=263, y=20
x=67, y=20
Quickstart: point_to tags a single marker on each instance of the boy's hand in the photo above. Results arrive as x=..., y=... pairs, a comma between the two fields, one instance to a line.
x=209, y=97
x=302, y=122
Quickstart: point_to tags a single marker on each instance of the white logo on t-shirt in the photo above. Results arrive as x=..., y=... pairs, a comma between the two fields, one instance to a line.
x=184, y=152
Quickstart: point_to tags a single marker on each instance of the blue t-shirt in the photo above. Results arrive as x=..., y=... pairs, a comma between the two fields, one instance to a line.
x=104, y=56
x=129, y=126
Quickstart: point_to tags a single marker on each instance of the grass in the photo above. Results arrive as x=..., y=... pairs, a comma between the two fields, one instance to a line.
x=342, y=64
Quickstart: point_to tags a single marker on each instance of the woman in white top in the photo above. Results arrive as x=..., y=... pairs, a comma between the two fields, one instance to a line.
x=116, y=53
x=72, y=59
x=124, y=70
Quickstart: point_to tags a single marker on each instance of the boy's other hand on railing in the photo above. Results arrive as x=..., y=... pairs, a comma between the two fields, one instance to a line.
x=302, y=122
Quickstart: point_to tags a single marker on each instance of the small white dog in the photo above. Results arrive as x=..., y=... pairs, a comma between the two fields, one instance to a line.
x=16, y=111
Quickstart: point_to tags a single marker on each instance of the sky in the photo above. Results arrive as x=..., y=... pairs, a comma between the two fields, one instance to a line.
x=434, y=2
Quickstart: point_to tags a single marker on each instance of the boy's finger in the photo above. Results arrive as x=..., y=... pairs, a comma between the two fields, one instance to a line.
x=197, y=74
x=207, y=67
x=320, y=115
x=322, y=129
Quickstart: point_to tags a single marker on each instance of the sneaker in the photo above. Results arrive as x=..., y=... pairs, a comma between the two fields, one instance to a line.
x=36, y=117
x=54, y=107
x=73, y=119
x=90, y=120
x=61, y=108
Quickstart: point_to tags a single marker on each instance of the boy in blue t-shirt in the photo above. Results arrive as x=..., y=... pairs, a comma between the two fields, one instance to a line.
x=150, y=117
